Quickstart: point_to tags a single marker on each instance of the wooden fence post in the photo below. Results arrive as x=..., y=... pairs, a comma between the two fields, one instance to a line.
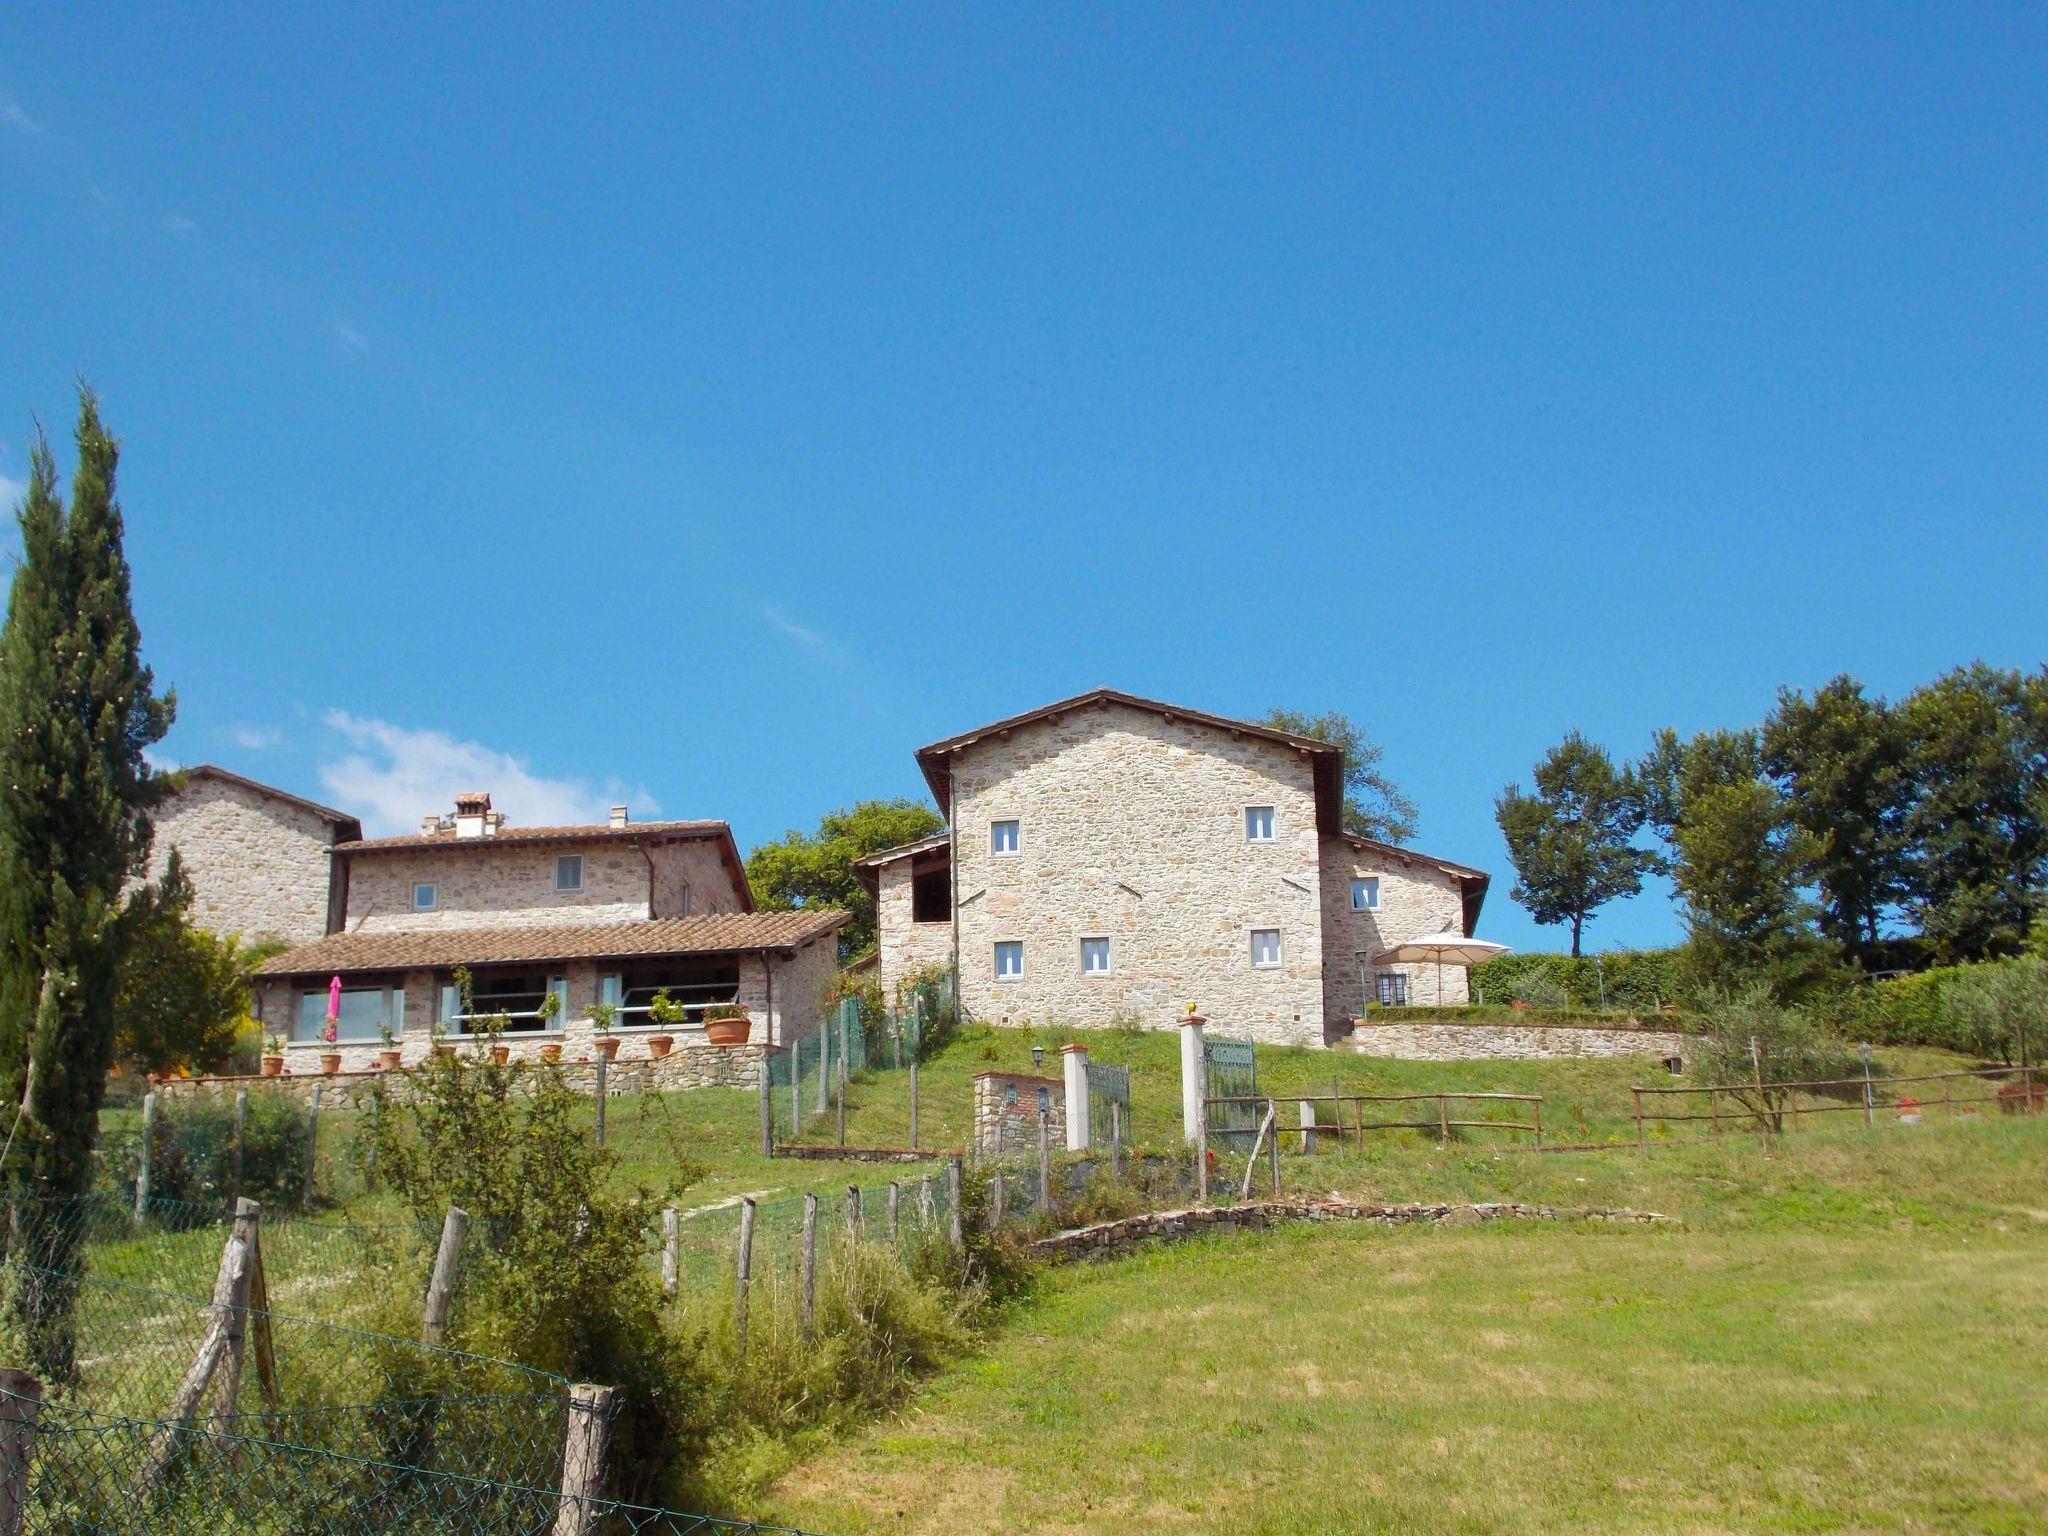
x=230, y=1290
x=1536, y=1119
x=839, y=1088
x=746, y=1274
x=995, y=1201
x=1443, y=1116
x=954, y=1232
x=441, y=1288
x=229, y=1387
x=148, y=1146
x=913, y=1101
x=853, y=1211
x=924, y=1202
x=895, y=1201
x=810, y=1260
x=21, y=1400
x=1116, y=1138
x=1636, y=1100
x=583, y=1448
x=597, y=1109
x=312, y=1147
x=671, y=1255
x=1273, y=1146
x=241, y=1127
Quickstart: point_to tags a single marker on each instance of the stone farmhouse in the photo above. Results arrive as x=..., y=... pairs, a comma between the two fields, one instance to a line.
x=578, y=914
x=1111, y=858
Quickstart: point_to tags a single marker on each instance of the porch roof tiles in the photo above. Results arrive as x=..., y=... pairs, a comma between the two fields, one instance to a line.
x=433, y=949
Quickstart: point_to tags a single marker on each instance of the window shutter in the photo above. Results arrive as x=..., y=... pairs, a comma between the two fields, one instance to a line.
x=558, y=988
x=451, y=1002
x=609, y=989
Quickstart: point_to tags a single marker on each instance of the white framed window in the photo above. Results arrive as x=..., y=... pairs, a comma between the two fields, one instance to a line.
x=569, y=872
x=1095, y=957
x=1265, y=948
x=1390, y=989
x=426, y=895
x=1258, y=824
x=1365, y=894
x=365, y=1013
x=1010, y=960
x=1003, y=837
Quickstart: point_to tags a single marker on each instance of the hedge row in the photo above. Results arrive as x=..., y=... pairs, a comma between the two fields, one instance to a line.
x=1639, y=980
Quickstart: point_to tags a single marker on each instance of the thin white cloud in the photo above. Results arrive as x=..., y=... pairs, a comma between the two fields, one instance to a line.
x=178, y=227
x=391, y=775
x=256, y=738
x=11, y=492
x=804, y=635
x=350, y=337
x=15, y=115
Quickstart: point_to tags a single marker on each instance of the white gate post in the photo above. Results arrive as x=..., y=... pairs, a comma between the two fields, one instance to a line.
x=1074, y=1060
x=1193, y=1076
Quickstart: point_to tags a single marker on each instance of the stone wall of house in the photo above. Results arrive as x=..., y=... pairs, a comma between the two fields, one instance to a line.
x=1006, y=1113
x=1133, y=829
x=800, y=987
x=691, y=879
x=1511, y=1042
x=695, y=1066
x=259, y=865
x=1416, y=897
x=479, y=886
x=903, y=945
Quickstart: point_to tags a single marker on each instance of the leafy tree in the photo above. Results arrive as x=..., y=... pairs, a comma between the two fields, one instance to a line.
x=181, y=990
x=2000, y=1010
x=1747, y=1038
x=1840, y=758
x=1373, y=805
x=815, y=869
x=1977, y=740
x=1572, y=841
x=78, y=710
x=1675, y=767
x=1741, y=868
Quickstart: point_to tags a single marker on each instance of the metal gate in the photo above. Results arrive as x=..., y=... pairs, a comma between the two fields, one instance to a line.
x=1109, y=1105
x=1230, y=1071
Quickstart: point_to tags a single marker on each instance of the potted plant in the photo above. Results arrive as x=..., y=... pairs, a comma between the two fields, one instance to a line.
x=668, y=1013
x=330, y=1062
x=390, y=1056
x=552, y=1051
x=727, y=1024
x=273, y=1055
x=500, y=1053
x=602, y=1017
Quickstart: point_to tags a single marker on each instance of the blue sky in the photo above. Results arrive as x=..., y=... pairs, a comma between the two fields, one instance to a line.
x=708, y=406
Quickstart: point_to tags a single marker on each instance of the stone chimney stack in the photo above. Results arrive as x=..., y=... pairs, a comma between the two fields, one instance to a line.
x=473, y=815
x=618, y=818
x=429, y=824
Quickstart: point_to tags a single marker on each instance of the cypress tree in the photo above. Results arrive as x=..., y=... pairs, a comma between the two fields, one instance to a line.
x=78, y=710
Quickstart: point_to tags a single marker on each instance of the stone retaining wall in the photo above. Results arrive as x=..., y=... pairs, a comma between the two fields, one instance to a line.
x=1108, y=1237
x=1473, y=1041
x=704, y=1066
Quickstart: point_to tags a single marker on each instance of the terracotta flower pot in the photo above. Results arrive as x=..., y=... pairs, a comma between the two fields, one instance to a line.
x=728, y=1031
x=445, y=1051
x=273, y=1066
x=500, y=1054
x=659, y=1046
x=330, y=1062
x=608, y=1048
x=390, y=1057
x=552, y=1051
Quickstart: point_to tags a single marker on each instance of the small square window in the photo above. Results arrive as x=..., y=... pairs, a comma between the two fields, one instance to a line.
x=426, y=896
x=1010, y=960
x=1258, y=823
x=1095, y=957
x=1002, y=837
x=1265, y=948
x=1365, y=894
x=1390, y=989
x=569, y=872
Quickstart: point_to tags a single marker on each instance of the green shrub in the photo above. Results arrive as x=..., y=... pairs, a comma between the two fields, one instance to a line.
x=192, y=1150
x=1635, y=980
x=1538, y=990
x=1749, y=1037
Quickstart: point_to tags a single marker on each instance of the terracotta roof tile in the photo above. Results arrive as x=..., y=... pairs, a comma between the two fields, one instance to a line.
x=505, y=836
x=711, y=933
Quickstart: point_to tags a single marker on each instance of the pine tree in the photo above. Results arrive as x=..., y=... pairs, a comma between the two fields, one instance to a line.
x=1572, y=840
x=77, y=712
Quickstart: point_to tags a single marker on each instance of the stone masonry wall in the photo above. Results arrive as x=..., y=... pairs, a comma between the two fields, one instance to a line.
x=1012, y=1129
x=1133, y=829
x=485, y=887
x=259, y=866
x=905, y=946
x=691, y=866
x=1415, y=898
x=1511, y=1042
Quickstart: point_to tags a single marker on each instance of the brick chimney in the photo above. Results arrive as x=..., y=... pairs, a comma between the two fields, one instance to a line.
x=473, y=815
x=618, y=818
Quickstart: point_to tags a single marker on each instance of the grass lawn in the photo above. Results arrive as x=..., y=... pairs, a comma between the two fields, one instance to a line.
x=1846, y=1334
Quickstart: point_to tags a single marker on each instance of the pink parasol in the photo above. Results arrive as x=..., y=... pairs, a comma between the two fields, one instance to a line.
x=333, y=1030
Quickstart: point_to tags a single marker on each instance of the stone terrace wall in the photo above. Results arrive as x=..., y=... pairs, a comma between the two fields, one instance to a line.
x=1421, y=1041
x=1014, y=1127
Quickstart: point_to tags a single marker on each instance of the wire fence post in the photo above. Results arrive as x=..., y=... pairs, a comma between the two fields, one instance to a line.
x=767, y=1101
x=583, y=1449
x=954, y=1233
x=746, y=1275
x=21, y=1400
x=229, y=1387
x=853, y=1211
x=924, y=1202
x=1044, y=1160
x=840, y=1091
x=895, y=1202
x=1116, y=1139
x=241, y=1127
x=1869, y=1099
x=913, y=1099
x=148, y=1148
x=995, y=1201
x=671, y=1250
x=597, y=1107
x=441, y=1288
x=1636, y=1101
x=312, y=1147
x=810, y=1261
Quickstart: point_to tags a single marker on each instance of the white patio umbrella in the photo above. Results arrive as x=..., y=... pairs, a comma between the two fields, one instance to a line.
x=1457, y=948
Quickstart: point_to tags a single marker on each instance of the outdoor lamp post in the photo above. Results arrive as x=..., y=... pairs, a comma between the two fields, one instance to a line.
x=1037, y=1057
